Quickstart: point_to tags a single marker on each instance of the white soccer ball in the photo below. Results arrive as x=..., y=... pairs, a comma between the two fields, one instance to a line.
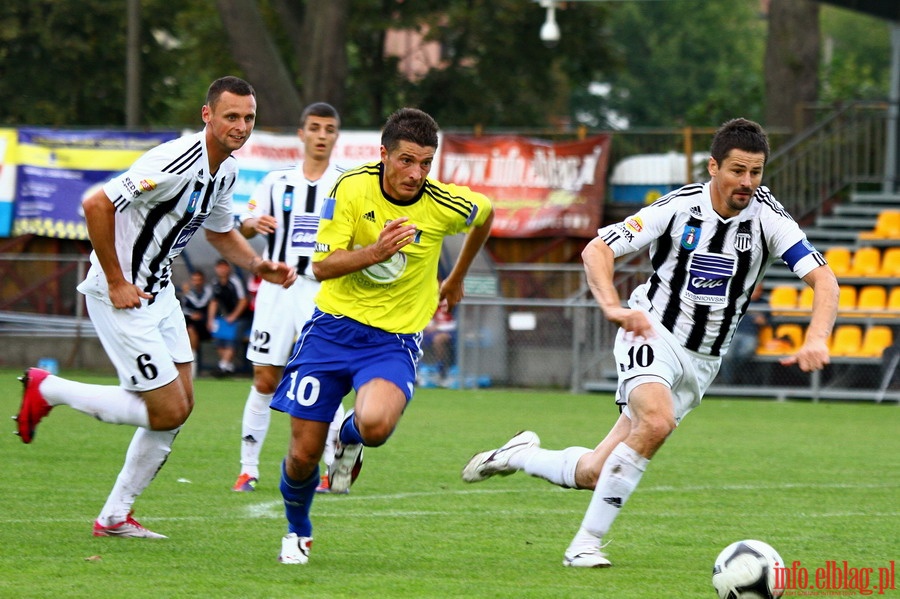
x=746, y=570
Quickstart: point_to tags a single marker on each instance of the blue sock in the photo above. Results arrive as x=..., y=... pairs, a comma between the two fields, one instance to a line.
x=349, y=434
x=298, y=497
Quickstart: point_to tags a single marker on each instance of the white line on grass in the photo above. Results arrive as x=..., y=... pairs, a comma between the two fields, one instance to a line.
x=275, y=509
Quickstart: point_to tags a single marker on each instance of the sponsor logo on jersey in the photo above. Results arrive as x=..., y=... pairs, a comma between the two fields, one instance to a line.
x=708, y=276
x=147, y=184
x=388, y=271
x=303, y=233
x=369, y=216
x=132, y=189
x=625, y=232
x=691, y=237
x=251, y=205
x=634, y=223
x=696, y=211
x=187, y=232
x=287, y=201
x=322, y=248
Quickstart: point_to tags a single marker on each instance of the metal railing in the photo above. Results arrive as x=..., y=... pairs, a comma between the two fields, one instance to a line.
x=843, y=152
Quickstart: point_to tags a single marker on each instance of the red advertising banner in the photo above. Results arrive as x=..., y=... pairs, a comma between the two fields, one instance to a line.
x=539, y=188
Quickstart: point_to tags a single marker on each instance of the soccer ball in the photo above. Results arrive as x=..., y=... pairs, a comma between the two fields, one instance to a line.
x=746, y=570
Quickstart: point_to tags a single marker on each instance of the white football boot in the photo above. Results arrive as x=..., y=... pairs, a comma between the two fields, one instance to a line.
x=496, y=461
x=294, y=549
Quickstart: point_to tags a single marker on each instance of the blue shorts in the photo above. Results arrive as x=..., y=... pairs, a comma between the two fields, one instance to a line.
x=336, y=354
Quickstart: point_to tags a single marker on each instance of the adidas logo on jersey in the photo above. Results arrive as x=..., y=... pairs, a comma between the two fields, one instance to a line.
x=369, y=216
x=695, y=210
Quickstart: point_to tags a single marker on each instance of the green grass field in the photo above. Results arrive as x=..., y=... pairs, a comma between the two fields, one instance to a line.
x=817, y=481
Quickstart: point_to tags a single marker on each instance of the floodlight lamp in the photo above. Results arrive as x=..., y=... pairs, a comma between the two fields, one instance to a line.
x=550, y=30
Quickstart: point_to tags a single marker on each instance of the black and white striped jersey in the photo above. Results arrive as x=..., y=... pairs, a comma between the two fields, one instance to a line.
x=705, y=267
x=295, y=202
x=161, y=201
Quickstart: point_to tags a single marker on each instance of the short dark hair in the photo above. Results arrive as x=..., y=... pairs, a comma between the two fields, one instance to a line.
x=234, y=85
x=321, y=109
x=739, y=134
x=409, y=124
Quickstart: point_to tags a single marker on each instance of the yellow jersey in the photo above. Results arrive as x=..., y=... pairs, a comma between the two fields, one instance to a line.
x=398, y=295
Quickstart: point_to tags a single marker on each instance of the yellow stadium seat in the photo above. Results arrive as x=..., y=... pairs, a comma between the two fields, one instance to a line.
x=866, y=262
x=782, y=297
x=806, y=298
x=847, y=300
x=875, y=340
x=887, y=226
x=839, y=259
x=764, y=341
x=890, y=263
x=893, y=302
x=789, y=334
x=872, y=300
x=846, y=341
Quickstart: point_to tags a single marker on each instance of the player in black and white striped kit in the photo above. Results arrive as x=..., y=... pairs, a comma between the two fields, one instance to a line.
x=709, y=246
x=285, y=208
x=139, y=222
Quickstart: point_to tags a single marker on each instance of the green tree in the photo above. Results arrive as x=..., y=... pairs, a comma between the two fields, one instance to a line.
x=61, y=62
x=685, y=62
x=856, y=56
x=496, y=70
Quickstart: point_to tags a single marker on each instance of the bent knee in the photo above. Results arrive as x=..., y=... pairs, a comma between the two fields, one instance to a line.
x=299, y=464
x=375, y=435
x=170, y=418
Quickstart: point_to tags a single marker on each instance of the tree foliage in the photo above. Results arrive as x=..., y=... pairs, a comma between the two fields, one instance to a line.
x=856, y=56
x=686, y=62
x=679, y=62
x=61, y=62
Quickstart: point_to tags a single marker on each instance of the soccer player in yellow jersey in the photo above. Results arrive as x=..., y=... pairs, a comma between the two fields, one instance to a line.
x=377, y=251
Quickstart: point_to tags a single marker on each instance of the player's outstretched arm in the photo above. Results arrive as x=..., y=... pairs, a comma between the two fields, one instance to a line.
x=813, y=354
x=452, y=287
x=237, y=250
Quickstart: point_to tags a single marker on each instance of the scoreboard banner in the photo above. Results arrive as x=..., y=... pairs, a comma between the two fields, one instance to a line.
x=538, y=188
x=57, y=168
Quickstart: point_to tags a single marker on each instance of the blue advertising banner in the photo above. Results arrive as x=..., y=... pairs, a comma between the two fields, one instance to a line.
x=57, y=168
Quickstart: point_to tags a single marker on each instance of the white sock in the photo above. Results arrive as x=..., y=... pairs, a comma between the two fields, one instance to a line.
x=104, y=402
x=257, y=416
x=334, y=430
x=621, y=473
x=558, y=467
x=146, y=454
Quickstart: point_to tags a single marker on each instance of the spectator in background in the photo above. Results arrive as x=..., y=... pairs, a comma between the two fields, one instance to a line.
x=439, y=343
x=745, y=340
x=195, y=297
x=224, y=313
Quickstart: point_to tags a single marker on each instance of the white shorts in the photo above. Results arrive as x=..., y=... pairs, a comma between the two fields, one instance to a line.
x=144, y=344
x=278, y=318
x=663, y=359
